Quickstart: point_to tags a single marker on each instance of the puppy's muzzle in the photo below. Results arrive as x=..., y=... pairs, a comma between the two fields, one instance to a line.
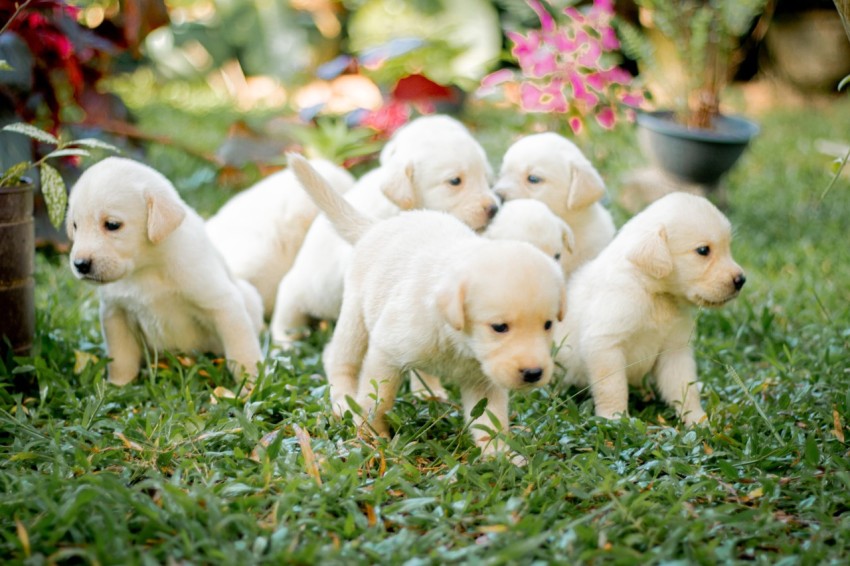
x=83, y=266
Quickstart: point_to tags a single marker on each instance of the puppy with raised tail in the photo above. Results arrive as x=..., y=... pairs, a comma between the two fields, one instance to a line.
x=423, y=291
x=431, y=163
x=550, y=168
x=161, y=283
x=632, y=308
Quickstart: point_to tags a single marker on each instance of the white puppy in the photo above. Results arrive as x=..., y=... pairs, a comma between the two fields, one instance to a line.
x=260, y=230
x=529, y=220
x=632, y=308
x=432, y=163
x=425, y=292
x=550, y=168
x=524, y=220
x=161, y=283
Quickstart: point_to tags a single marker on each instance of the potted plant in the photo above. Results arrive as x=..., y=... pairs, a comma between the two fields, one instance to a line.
x=693, y=141
x=17, y=246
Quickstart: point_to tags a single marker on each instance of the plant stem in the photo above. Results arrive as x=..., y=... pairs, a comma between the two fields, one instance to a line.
x=18, y=9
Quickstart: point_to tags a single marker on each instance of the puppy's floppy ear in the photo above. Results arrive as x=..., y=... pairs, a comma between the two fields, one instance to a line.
x=165, y=213
x=651, y=254
x=586, y=187
x=451, y=297
x=568, y=237
x=397, y=186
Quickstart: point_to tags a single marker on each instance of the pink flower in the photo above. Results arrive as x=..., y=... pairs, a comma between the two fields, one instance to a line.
x=580, y=92
x=547, y=22
x=606, y=118
x=575, y=124
x=550, y=98
x=493, y=80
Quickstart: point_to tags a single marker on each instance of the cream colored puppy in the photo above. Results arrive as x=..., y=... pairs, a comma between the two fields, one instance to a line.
x=260, y=230
x=161, y=283
x=524, y=220
x=432, y=163
x=550, y=168
x=529, y=220
x=632, y=308
x=425, y=292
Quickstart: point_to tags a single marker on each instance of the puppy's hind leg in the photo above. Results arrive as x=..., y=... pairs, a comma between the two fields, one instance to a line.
x=343, y=356
x=376, y=391
x=288, y=316
x=427, y=386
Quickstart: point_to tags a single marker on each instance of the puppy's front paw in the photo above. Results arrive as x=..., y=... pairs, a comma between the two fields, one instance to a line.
x=121, y=374
x=692, y=418
x=611, y=414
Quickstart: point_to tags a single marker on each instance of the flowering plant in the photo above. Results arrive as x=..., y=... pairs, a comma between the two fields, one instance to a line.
x=568, y=67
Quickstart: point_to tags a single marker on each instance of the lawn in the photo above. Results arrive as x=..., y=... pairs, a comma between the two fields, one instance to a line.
x=162, y=471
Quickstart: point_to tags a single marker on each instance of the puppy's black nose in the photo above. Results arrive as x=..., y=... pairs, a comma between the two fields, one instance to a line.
x=83, y=266
x=492, y=210
x=739, y=281
x=532, y=375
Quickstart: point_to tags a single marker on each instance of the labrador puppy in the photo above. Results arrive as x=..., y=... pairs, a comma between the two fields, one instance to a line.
x=423, y=291
x=161, y=283
x=524, y=220
x=632, y=308
x=432, y=163
x=550, y=168
x=260, y=230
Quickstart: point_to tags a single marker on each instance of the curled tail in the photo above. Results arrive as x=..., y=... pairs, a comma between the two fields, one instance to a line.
x=349, y=222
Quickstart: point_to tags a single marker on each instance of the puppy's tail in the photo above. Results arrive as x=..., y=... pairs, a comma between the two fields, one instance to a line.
x=349, y=222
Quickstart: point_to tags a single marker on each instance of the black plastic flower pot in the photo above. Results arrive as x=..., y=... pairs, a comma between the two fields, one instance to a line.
x=694, y=155
x=17, y=261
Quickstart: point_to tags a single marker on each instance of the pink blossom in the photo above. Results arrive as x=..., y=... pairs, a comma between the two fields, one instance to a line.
x=609, y=39
x=547, y=22
x=495, y=79
x=580, y=92
x=550, y=98
x=575, y=124
x=606, y=118
x=591, y=53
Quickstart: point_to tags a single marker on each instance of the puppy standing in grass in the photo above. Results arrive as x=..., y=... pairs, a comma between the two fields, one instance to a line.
x=423, y=291
x=161, y=283
x=632, y=308
x=524, y=220
x=433, y=163
x=550, y=168
x=260, y=230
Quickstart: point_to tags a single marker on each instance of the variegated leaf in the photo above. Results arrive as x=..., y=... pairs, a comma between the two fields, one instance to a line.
x=12, y=175
x=96, y=144
x=32, y=131
x=55, y=195
x=68, y=151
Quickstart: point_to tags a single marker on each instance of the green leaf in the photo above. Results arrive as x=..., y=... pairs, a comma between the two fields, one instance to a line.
x=5, y=66
x=67, y=152
x=812, y=453
x=55, y=195
x=95, y=144
x=31, y=131
x=478, y=409
x=844, y=82
x=12, y=175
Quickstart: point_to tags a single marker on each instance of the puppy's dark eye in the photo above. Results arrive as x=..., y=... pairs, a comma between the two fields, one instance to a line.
x=455, y=181
x=534, y=179
x=112, y=225
x=557, y=257
x=547, y=325
x=703, y=250
x=500, y=328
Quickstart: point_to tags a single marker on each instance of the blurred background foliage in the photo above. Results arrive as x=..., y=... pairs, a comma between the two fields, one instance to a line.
x=213, y=92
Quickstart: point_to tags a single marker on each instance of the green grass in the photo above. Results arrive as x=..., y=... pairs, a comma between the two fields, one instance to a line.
x=157, y=472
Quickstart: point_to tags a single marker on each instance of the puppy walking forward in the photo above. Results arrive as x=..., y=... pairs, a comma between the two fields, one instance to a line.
x=424, y=292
